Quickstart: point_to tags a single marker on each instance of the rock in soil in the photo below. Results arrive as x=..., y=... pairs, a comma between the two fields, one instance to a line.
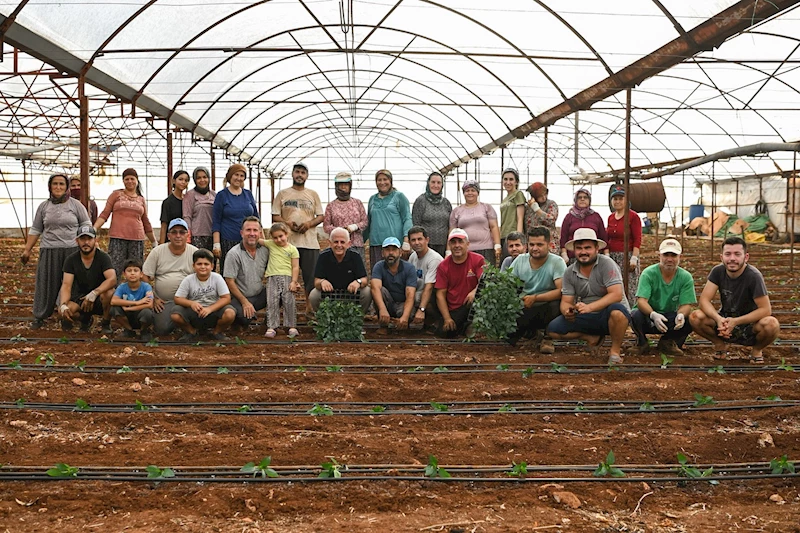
x=567, y=498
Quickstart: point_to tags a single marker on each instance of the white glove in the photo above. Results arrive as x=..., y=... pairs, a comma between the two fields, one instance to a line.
x=498, y=246
x=406, y=247
x=91, y=297
x=659, y=321
x=537, y=207
x=680, y=320
x=635, y=259
x=216, y=246
x=352, y=227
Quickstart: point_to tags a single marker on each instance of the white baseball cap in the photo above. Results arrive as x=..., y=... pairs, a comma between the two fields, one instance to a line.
x=670, y=246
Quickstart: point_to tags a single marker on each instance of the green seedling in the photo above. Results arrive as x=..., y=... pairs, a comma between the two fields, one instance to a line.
x=666, y=361
x=64, y=340
x=153, y=342
x=518, y=469
x=782, y=464
x=442, y=408
x=262, y=468
x=198, y=343
x=647, y=406
x=175, y=369
x=300, y=369
x=498, y=304
x=63, y=470
x=222, y=370
x=337, y=320
x=434, y=470
x=140, y=406
x=785, y=366
x=320, y=410
x=440, y=368
x=719, y=369
x=331, y=469
x=528, y=372
x=154, y=472
x=103, y=340
x=124, y=370
x=416, y=369
x=82, y=405
x=502, y=367
x=506, y=408
x=81, y=365
x=15, y=365
x=18, y=338
x=687, y=470
x=700, y=400
x=772, y=398
x=333, y=368
x=580, y=407
x=378, y=409
x=557, y=368
x=47, y=359
x=240, y=342
x=244, y=409
x=607, y=468
x=20, y=402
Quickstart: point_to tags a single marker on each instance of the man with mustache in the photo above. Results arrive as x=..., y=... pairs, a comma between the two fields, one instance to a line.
x=593, y=303
x=393, y=285
x=745, y=317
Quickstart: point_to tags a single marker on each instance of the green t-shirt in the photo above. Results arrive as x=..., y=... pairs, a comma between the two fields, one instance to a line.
x=508, y=213
x=662, y=297
x=542, y=279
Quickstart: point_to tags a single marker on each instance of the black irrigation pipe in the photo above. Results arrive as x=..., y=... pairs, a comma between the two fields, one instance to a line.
x=518, y=407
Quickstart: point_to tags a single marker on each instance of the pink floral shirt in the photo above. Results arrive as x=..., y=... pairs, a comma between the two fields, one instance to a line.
x=342, y=214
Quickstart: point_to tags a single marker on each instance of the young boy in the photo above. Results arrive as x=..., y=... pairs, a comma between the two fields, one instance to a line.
x=132, y=303
x=203, y=301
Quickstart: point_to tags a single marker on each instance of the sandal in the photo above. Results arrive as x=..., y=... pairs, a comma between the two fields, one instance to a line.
x=594, y=349
x=721, y=355
x=270, y=333
x=293, y=333
x=615, y=359
x=757, y=359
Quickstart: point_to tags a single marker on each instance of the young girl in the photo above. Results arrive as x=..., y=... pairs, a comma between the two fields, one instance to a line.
x=283, y=271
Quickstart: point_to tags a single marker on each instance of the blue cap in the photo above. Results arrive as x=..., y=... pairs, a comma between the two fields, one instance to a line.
x=177, y=222
x=391, y=241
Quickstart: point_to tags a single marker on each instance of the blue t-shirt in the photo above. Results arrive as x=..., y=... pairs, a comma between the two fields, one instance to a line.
x=124, y=291
x=396, y=283
x=229, y=212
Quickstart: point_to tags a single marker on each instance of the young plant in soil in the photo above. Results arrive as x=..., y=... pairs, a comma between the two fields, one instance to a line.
x=63, y=470
x=700, y=400
x=47, y=359
x=82, y=405
x=320, y=410
x=607, y=468
x=154, y=472
x=518, y=469
x=337, y=320
x=442, y=408
x=782, y=464
x=687, y=470
x=498, y=305
x=434, y=470
x=331, y=469
x=260, y=468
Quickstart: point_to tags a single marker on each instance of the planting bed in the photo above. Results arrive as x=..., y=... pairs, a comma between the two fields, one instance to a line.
x=205, y=411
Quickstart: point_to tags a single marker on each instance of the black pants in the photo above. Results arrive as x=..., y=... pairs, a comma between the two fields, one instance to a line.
x=461, y=316
x=642, y=325
x=533, y=319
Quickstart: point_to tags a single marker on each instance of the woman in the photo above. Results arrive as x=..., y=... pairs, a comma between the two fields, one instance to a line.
x=172, y=206
x=512, y=209
x=479, y=220
x=388, y=215
x=346, y=212
x=130, y=224
x=581, y=215
x=57, y=221
x=616, y=239
x=542, y=212
x=198, y=204
x=432, y=212
x=231, y=206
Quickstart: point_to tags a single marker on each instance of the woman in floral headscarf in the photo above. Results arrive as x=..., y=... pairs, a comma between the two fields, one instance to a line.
x=346, y=212
x=581, y=215
x=542, y=212
x=432, y=211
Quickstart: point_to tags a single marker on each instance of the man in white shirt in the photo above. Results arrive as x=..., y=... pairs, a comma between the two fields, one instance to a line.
x=425, y=260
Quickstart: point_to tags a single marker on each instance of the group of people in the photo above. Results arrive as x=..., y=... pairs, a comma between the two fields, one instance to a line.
x=426, y=262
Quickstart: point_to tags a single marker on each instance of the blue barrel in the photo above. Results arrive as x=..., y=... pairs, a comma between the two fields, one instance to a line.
x=696, y=211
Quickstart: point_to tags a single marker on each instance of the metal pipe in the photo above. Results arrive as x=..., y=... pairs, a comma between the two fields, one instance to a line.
x=213, y=169
x=84, y=141
x=545, y=155
x=794, y=207
x=627, y=216
x=713, y=212
x=683, y=206
x=169, y=165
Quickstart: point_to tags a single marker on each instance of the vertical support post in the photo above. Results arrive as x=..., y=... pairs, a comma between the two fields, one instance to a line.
x=84, y=140
x=213, y=169
x=545, y=157
x=794, y=207
x=250, y=177
x=736, y=200
x=169, y=161
x=26, y=228
x=502, y=163
x=627, y=217
x=683, y=205
x=575, y=156
x=713, y=212
x=258, y=178
x=271, y=189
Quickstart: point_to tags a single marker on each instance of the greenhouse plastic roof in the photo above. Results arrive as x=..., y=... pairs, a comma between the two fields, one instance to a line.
x=437, y=84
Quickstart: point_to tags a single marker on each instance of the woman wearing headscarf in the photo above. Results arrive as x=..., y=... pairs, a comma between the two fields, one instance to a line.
x=479, y=220
x=231, y=206
x=542, y=212
x=388, y=215
x=56, y=222
x=198, y=204
x=130, y=223
x=346, y=212
x=512, y=209
x=172, y=206
x=616, y=239
x=581, y=215
x=432, y=211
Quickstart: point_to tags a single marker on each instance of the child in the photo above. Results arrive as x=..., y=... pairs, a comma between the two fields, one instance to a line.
x=202, y=301
x=132, y=303
x=283, y=271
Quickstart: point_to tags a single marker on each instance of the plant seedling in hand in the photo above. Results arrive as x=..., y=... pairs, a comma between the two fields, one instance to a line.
x=607, y=468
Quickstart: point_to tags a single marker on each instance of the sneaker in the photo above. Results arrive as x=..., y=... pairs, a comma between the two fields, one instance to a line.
x=86, y=324
x=105, y=327
x=37, y=324
x=669, y=347
x=640, y=349
x=293, y=333
x=145, y=336
x=220, y=337
x=189, y=338
x=270, y=334
x=128, y=333
x=546, y=346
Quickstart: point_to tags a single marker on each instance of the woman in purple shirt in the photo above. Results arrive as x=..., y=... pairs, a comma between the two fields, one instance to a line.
x=581, y=215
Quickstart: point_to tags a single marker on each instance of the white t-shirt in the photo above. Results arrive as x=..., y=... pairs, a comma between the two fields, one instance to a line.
x=204, y=292
x=168, y=270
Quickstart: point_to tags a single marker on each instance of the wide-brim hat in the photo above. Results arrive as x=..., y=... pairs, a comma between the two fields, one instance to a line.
x=584, y=234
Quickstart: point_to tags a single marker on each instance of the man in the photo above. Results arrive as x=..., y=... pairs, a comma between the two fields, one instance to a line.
x=593, y=303
x=75, y=192
x=664, y=299
x=301, y=210
x=393, y=285
x=541, y=273
x=745, y=317
x=340, y=269
x=164, y=269
x=88, y=283
x=515, y=245
x=456, y=284
x=245, y=265
x=425, y=261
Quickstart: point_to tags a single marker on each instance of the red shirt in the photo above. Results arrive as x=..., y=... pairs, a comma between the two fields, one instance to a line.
x=459, y=280
x=616, y=233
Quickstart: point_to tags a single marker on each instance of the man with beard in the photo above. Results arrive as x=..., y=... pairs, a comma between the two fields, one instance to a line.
x=164, y=269
x=425, y=261
x=457, y=279
x=88, y=283
x=515, y=246
x=244, y=270
x=541, y=273
x=301, y=210
x=393, y=285
x=664, y=299
x=340, y=271
x=745, y=317
x=593, y=303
